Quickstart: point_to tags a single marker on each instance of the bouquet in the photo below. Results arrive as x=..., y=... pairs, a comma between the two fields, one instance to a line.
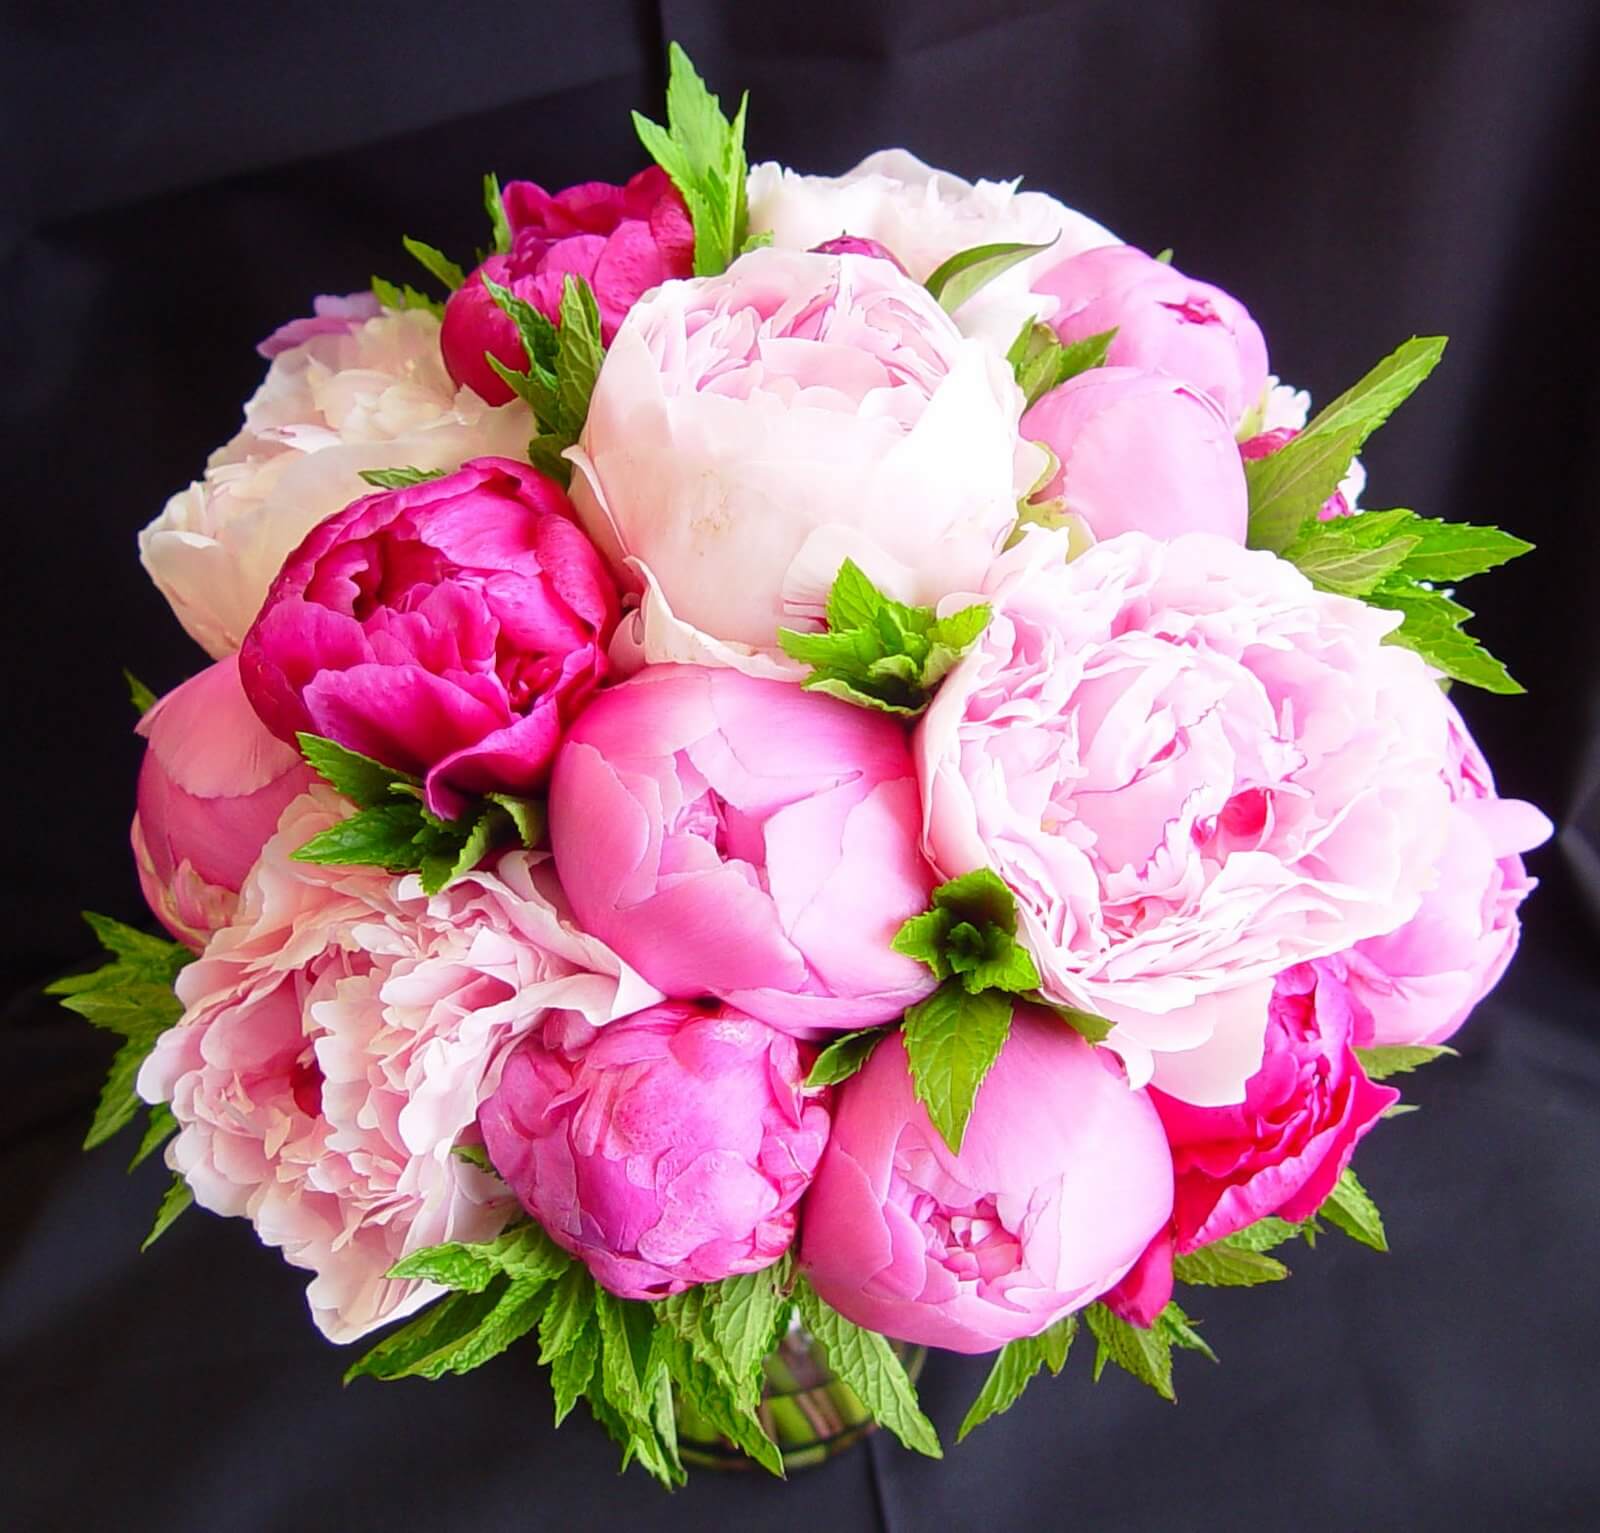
x=795, y=769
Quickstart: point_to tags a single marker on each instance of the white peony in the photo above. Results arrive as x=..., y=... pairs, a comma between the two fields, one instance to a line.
x=374, y=396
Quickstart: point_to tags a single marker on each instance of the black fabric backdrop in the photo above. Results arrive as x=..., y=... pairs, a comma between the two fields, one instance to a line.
x=179, y=178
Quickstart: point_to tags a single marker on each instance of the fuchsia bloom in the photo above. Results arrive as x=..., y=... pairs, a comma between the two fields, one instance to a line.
x=669, y=1150
x=1062, y=1179
x=745, y=839
x=1165, y=322
x=451, y=629
x=623, y=240
x=212, y=786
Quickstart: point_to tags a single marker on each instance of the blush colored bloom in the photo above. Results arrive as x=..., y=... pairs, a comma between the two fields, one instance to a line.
x=339, y=1039
x=749, y=432
x=211, y=788
x=745, y=839
x=1193, y=770
x=367, y=395
x=331, y=315
x=1062, y=1179
x=671, y=1149
x=451, y=629
x=622, y=240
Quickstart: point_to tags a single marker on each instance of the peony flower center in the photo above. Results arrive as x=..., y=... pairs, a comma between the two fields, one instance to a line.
x=970, y=1241
x=305, y=1084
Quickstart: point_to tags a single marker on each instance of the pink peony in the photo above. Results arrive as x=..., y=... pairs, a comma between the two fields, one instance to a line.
x=339, y=1039
x=622, y=240
x=450, y=629
x=745, y=839
x=1140, y=452
x=1165, y=322
x=211, y=789
x=670, y=1150
x=330, y=316
x=1062, y=1179
x=1420, y=981
x=1193, y=770
x=1304, y=1111
x=751, y=431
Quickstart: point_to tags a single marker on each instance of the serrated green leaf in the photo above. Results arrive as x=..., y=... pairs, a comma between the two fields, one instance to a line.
x=178, y=1197
x=151, y=956
x=830, y=684
x=541, y=345
x=365, y=782
x=956, y=280
x=453, y=858
x=1085, y=1024
x=142, y=698
x=1041, y=363
x=494, y=205
x=395, y=479
x=569, y=1313
x=844, y=1057
x=118, y=1100
x=1432, y=628
x=624, y=1326
x=962, y=628
x=578, y=362
x=1333, y=561
x=1223, y=1266
x=865, y=1361
x=923, y=938
x=474, y=1155
x=544, y=453
x=528, y=816
x=383, y=836
x=431, y=1335
x=1146, y=1354
x=1165, y=256
x=1289, y=486
x=1179, y=1331
x=1383, y=1060
x=952, y=1040
x=742, y=1320
x=572, y=1368
x=709, y=1396
x=1264, y=1235
x=1056, y=1341
x=1013, y=1370
x=158, y=1129
x=1457, y=550
x=401, y=296
x=853, y=600
x=1350, y=1208
x=435, y=263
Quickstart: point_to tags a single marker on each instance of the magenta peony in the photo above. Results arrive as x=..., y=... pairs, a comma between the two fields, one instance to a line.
x=622, y=240
x=745, y=839
x=212, y=786
x=451, y=629
x=1165, y=322
x=1140, y=452
x=338, y=1041
x=1420, y=982
x=1061, y=1182
x=1193, y=770
x=669, y=1150
x=751, y=431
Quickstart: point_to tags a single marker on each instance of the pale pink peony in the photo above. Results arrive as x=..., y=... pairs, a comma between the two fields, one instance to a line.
x=667, y=1149
x=751, y=431
x=1422, y=980
x=331, y=315
x=211, y=788
x=745, y=839
x=338, y=1040
x=1062, y=1180
x=368, y=395
x=1194, y=770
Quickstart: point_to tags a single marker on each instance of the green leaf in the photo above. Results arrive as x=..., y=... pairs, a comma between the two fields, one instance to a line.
x=1056, y=1341
x=178, y=1197
x=1165, y=256
x=142, y=698
x=393, y=479
x=1179, y=1331
x=1383, y=1060
x=580, y=355
x=624, y=1348
x=1015, y=1367
x=1432, y=627
x=865, y=1361
x=1264, y=1235
x=494, y=205
x=970, y=933
x=544, y=453
x=383, y=836
x=517, y=1305
x=703, y=154
x=430, y=1337
x=744, y=1317
x=541, y=346
x=756, y=242
x=402, y=296
x=528, y=817
x=435, y=263
x=844, y=1056
x=151, y=957
x=1146, y=1354
x=569, y=1315
x=710, y=1397
x=1351, y=1209
x=1223, y=1266
x=1042, y=363
x=1289, y=487
x=1086, y=1024
x=572, y=1369
x=1333, y=557
x=158, y=1129
x=365, y=782
x=954, y=281
x=1457, y=550
x=952, y=1039
x=853, y=600
x=454, y=858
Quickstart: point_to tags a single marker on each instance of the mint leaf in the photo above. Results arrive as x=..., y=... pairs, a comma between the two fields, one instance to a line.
x=178, y=1197
x=970, y=933
x=744, y=1317
x=952, y=1039
x=703, y=154
x=540, y=343
x=844, y=1056
x=1042, y=363
x=709, y=1397
x=1085, y=1024
x=1289, y=487
x=399, y=479
x=1432, y=628
x=523, y=1252
x=365, y=782
x=1351, y=555
x=1179, y=1331
x=1264, y=1235
x=580, y=355
x=865, y=1361
x=568, y=1315
x=1386, y=1059
x=528, y=818
x=452, y=857
x=402, y=296
x=424, y=1344
x=1223, y=1266
x=435, y=263
x=572, y=1369
x=494, y=205
x=383, y=837
x=1165, y=256
x=474, y=1155
x=1015, y=1367
x=142, y=698
x=1350, y=1208
x=1458, y=550
x=159, y=1128
x=954, y=281
x=1146, y=1354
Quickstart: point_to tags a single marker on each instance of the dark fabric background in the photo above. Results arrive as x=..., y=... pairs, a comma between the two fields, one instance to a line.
x=177, y=179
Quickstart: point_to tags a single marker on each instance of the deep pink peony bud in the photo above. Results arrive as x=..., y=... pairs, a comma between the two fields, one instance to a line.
x=669, y=1150
x=1165, y=322
x=1141, y=452
x=451, y=629
x=623, y=240
x=212, y=786
x=1062, y=1181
